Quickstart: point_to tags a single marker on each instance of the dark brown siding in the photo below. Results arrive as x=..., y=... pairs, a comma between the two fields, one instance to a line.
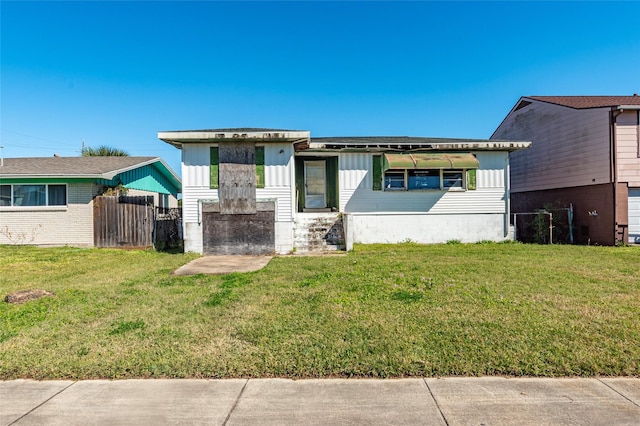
x=591, y=228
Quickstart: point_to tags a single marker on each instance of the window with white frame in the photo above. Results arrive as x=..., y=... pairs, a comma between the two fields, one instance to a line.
x=412, y=180
x=416, y=171
x=453, y=179
x=394, y=180
x=33, y=195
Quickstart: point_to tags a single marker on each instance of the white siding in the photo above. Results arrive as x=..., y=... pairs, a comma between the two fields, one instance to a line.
x=195, y=165
x=354, y=171
x=492, y=171
x=434, y=202
x=278, y=165
x=196, y=179
x=628, y=145
x=191, y=196
x=570, y=147
x=196, y=188
x=357, y=195
x=71, y=225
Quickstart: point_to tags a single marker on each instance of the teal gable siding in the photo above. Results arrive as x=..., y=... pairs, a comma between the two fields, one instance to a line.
x=146, y=178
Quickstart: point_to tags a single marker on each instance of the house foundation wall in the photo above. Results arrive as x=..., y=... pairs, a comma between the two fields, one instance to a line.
x=372, y=228
x=193, y=237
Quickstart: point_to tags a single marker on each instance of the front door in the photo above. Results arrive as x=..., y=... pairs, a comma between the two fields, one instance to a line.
x=314, y=184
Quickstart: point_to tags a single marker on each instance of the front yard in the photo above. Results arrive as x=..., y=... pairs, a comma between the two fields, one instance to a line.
x=380, y=311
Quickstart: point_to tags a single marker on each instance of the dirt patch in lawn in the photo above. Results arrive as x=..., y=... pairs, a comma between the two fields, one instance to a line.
x=23, y=296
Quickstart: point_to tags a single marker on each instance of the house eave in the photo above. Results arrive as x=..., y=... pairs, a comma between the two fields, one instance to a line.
x=49, y=176
x=373, y=147
x=107, y=175
x=179, y=138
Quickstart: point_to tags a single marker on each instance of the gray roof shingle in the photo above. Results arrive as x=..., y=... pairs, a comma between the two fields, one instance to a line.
x=94, y=167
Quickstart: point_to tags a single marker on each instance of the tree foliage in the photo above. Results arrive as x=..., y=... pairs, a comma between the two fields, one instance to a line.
x=104, y=151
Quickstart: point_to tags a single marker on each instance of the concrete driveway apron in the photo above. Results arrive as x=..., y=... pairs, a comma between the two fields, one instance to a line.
x=223, y=265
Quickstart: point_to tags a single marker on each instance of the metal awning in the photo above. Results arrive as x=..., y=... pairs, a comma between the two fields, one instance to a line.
x=430, y=161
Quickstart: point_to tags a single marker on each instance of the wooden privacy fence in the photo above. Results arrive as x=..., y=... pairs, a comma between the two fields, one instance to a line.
x=168, y=228
x=123, y=222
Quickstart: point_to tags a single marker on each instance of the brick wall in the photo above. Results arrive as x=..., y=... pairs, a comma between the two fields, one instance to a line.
x=64, y=225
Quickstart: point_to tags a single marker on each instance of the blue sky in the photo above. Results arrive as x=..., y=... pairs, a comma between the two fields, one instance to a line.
x=116, y=73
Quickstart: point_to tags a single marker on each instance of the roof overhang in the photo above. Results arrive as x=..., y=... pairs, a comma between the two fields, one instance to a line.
x=179, y=138
x=374, y=146
x=430, y=161
x=107, y=175
x=113, y=173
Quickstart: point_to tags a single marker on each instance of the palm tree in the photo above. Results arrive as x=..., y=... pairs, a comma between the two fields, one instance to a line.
x=104, y=151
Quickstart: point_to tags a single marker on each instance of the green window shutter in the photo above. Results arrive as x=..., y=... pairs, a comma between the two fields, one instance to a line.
x=299, y=166
x=377, y=172
x=471, y=179
x=213, y=168
x=259, y=167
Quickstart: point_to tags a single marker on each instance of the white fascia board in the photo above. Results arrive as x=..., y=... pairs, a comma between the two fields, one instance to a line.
x=484, y=146
x=51, y=176
x=488, y=146
x=213, y=136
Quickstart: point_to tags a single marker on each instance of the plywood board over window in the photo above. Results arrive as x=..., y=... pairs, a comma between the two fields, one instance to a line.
x=237, y=178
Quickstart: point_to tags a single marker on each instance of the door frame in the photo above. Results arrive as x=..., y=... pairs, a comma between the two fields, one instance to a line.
x=320, y=165
x=331, y=180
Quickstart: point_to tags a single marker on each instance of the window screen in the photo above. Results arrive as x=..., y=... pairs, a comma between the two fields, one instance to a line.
x=57, y=195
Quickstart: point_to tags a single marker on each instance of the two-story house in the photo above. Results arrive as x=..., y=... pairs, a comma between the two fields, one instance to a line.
x=585, y=152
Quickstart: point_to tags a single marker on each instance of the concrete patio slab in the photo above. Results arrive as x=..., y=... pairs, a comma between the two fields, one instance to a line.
x=18, y=397
x=336, y=402
x=223, y=265
x=528, y=401
x=139, y=402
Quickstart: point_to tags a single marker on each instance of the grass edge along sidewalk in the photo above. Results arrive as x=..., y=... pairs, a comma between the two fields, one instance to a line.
x=381, y=311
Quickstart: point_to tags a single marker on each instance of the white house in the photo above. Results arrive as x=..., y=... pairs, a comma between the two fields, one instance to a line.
x=261, y=191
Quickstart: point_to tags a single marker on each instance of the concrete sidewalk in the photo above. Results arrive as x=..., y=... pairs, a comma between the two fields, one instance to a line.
x=416, y=401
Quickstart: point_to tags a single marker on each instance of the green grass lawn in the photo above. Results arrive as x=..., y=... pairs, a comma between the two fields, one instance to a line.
x=380, y=311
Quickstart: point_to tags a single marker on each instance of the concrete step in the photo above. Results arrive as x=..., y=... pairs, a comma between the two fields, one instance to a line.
x=318, y=232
